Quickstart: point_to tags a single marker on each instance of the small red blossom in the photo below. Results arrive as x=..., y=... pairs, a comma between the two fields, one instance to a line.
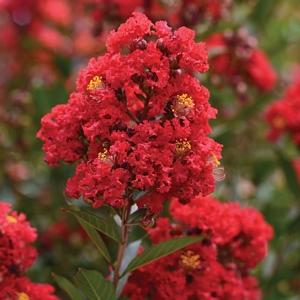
x=283, y=115
x=240, y=63
x=16, y=255
x=124, y=125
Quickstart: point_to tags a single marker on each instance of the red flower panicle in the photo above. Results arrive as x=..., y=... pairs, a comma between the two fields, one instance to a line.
x=284, y=115
x=138, y=122
x=240, y=62
x=16, y=256
x=235, y=240
x=15, y=236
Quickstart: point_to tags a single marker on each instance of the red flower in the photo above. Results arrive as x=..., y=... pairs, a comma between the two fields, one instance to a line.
x=240, y=63
x=16, y=255
x=139, y=121
x=284, y=115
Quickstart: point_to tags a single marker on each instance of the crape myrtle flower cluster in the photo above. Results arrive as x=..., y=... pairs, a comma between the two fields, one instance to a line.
x=283, y=115
x=218, y=267
x=240, y=62
x=16, y=256
x=138, y=121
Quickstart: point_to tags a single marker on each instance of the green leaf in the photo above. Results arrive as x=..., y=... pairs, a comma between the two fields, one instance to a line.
x=262, y=11
x=96, y=239
x=294, y=225
x=97, y=222
x=141, y=97
x=94, y=285
x=160, y=250
x=74, y=207
x=290, y=174
x=139, y=194
x=68, y=287
x=136, y=216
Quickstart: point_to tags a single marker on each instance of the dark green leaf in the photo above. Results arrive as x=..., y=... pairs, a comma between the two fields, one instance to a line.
x=68, y=287
x=136, y=216
x=160, y=250
x=294, y=225
x=94, y=285
x=98, y=223
x=139, y=194
x=96, y=238
x=141, y=97
x=262, y=11
x=64, y=65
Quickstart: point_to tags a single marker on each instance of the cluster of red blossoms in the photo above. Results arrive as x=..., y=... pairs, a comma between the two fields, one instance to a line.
x=284, y=115
x=138, y=122
x=16, y=256
x=235, y=240
x=240, y=63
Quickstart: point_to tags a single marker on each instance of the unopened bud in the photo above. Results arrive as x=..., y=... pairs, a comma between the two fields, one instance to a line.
x=141, y=44
x=176, y=230
x=183, y=201
x=147, y=222
x=173, y=62
x=121, y=126
x=131, y=132
x=195, y=230
x=160, y=44
x=174, y=73
x=106, y=143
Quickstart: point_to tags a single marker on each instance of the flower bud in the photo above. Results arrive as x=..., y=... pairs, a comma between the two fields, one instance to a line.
x=106, y=143
x=141, y=44
x=121, y=126
x=147, y=221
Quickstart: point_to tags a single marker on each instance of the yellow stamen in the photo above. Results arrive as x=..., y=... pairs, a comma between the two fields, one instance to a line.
x=95, y=83
x=183, y=146
x=22, y=296
x=217, y=162
x=103, y=155
x=185, y=100
x=190, y=259
x=11, y=219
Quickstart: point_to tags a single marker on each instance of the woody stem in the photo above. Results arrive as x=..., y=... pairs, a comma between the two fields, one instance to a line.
x=122, y=246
